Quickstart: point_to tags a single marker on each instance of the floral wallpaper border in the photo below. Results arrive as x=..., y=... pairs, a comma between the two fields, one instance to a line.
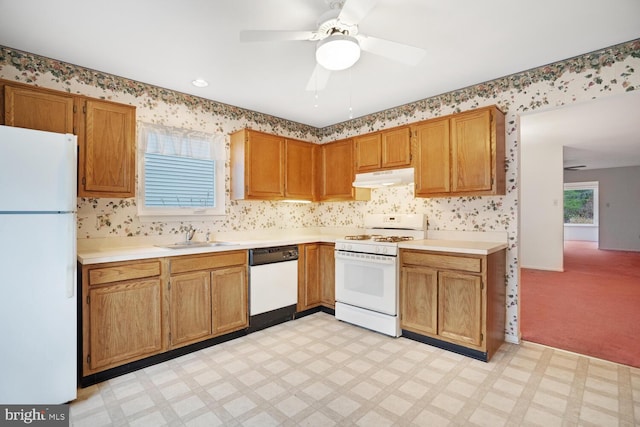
x=33, y=66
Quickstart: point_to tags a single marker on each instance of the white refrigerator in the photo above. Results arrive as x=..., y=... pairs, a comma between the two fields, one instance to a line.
x=38, y=323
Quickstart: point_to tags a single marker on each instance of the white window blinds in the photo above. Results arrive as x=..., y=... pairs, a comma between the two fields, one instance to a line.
x=182, y=173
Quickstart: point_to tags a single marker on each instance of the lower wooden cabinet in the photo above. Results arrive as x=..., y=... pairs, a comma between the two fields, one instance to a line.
x=127, y=321
x=327, y=262
x=308, y=276
x=135, y=309
x=456, y=299
x=230, y=299
x=316, y=276
x=419, y=299
x=121, y=313
x=208, y=296
x=190, y=308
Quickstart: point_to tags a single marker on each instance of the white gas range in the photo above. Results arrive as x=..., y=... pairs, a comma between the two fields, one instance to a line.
x=367, y=271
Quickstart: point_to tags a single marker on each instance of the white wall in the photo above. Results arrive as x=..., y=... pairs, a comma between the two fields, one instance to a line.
x=587, y=233
x=541, y=210
x=619, y=205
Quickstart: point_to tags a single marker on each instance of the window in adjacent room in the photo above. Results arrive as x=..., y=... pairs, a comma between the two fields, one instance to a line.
x=181, y=172
x=581, y=203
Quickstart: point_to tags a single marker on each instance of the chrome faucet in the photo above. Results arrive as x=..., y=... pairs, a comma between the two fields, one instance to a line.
x=190, y=232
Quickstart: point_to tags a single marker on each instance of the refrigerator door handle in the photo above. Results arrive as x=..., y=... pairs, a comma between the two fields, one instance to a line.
x=71, y=266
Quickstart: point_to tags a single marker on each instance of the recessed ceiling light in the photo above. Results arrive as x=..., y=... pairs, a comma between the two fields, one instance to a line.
x=200, y=83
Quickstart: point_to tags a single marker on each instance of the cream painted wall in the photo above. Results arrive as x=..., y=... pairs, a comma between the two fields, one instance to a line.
x=619, y=203
x=541, y=214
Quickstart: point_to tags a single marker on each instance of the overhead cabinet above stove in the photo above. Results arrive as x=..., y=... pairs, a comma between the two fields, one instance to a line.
x=387, y=149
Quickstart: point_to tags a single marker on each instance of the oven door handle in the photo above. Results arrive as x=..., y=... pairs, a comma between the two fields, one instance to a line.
x=364, y=258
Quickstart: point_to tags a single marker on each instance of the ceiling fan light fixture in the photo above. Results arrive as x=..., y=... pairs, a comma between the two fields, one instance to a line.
x=338, y=52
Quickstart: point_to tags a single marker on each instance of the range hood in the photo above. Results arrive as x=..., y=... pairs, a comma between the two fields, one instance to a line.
x=384, y=178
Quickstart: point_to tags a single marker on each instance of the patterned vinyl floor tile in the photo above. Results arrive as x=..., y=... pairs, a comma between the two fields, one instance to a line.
x=317, y=371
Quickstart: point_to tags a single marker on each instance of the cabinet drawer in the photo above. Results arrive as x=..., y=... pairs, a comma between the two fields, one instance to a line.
x=207, y=262
x=473, y=265
x=117, y=273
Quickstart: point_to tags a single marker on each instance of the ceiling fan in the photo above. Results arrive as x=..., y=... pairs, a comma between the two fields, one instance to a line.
x=574, y=168
x=338, y=42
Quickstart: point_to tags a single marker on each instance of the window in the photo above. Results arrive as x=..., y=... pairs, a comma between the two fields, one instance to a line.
x=581, y=203
x=181, y=172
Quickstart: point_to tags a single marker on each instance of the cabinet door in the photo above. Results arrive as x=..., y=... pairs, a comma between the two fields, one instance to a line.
x=264, y=173
x=460, y=307
x=38, y=109
x=230, y=299
x=337, y=171
x=309, y=277
x=327, y=275
x=124, y=323
x=107, y=151
x=396, y=148
x=299, y=170
x=471, y=153
x=190, y=308
x=432, y=157
x=368, y=152
x=419, y=300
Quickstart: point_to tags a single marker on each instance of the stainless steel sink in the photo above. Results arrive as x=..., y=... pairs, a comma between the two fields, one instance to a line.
x=220, y=243
x=190, y=244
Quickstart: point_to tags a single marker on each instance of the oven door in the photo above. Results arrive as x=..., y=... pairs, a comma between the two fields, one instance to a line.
x=367, y=281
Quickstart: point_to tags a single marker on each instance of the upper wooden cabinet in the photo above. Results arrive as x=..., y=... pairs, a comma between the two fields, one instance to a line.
x=460, y=155
x=106, y=160
x=299, y=170
x=388, y=149
x=39, y=109
x=105, y=131
x=432, y=174
x=257, y=165
x=337, y=173
x=270, y=167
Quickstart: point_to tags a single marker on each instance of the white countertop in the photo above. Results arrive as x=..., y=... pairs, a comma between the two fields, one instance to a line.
x=102, y=250
x=454, y=246
x=98, y=255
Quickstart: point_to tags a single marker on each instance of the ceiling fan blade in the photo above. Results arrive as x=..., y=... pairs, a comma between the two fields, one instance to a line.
x=353, y=11
x=274, y=35
x=399, y=52
x=318, y=79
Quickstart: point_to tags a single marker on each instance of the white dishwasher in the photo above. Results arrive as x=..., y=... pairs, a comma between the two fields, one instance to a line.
x=273, y=285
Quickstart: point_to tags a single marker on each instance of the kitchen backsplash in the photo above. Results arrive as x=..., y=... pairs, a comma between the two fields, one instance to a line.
x=603, y=73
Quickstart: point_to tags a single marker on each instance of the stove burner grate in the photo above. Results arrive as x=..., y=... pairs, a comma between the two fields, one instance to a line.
x=392, y=239
x=362, y=237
